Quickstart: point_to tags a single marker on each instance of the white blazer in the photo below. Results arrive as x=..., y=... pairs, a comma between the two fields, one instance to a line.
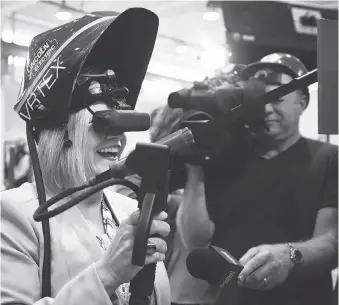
x=75, y=249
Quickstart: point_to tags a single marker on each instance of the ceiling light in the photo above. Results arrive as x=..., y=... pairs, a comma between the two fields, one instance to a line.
x=214, y=58
x=211, y=15
x=62, y=15
x=176, y=72
x=22, y=39
x=181, y=49
x=10, y=60
x=313, y=87
x=7, y=36
x=19, y=61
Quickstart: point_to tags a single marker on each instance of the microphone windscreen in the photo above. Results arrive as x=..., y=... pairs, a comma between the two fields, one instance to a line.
x=205, y=264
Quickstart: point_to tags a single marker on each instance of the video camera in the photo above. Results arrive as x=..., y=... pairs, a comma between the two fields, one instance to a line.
x=222, y=113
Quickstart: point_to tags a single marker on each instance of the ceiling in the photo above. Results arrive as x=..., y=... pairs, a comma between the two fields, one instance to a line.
x=178, y=19
x=181, y=24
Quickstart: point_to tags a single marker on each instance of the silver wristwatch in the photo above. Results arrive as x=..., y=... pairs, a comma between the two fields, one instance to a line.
x=295, y=255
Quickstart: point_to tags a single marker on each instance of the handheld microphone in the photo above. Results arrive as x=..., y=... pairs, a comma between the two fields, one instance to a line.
x=219, y=268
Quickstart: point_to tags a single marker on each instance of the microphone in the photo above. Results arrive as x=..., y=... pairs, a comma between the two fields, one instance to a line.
x=219, y=268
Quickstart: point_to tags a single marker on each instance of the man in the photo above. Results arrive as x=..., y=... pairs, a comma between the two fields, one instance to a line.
x=271, y=213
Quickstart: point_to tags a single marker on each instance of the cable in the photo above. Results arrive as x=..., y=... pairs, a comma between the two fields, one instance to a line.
x=42, y=213
x=46, y=267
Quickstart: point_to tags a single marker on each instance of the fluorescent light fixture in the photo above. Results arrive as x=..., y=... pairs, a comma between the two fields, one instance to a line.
x=313, y=87
x=247, y=37
x=10, y=60
x=181, y=49
x=62, y=15
x=18, y=38
x=214, y=58
x=19, y=61
x=175, y=72
x=22, y=39
x=211, y=15
x=7, y=36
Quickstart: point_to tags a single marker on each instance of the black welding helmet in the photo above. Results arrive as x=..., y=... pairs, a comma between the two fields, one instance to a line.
x=122, y=44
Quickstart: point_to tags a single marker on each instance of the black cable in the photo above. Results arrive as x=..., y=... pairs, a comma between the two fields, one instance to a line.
x=46, y=267
x=42, y=213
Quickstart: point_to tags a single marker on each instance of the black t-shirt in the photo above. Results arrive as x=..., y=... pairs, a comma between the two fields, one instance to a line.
x=261, y=202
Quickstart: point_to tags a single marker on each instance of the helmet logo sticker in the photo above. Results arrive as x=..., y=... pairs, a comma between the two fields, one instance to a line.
x=46, y=83
x=25, y=92
x=46, y=50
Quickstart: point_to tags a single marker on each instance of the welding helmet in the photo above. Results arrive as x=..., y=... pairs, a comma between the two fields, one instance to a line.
x=121, y=44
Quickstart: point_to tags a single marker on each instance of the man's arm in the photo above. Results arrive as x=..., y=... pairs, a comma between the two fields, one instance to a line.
x=321, y=252
x=266, y=266
x=193, y=222
x=273, y=263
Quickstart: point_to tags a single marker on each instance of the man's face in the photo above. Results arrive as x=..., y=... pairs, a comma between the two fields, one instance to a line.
x=282, y=116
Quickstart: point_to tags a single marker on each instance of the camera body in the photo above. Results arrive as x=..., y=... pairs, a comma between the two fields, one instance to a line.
x=223, y=114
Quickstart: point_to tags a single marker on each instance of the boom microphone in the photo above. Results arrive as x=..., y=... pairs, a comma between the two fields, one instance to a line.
x=211, y=264
x=219, y=268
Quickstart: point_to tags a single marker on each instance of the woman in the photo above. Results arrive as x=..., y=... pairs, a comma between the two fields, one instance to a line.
x=92, y=242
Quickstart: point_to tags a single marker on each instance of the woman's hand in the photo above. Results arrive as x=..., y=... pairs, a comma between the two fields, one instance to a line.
x=115, y=267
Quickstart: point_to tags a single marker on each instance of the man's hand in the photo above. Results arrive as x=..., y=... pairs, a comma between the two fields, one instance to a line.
x=265, y=266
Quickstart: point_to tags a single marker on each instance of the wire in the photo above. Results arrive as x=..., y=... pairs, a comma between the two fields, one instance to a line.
x=42, y=213
x=46, y=268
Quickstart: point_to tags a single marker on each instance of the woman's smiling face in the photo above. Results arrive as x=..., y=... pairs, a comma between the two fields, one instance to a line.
x=106, y=146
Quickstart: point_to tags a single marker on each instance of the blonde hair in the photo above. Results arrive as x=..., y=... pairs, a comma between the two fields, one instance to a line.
x=62, y=167
x=165, y=120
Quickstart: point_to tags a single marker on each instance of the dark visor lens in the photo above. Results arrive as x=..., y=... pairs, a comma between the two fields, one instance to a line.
x=120, y=121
